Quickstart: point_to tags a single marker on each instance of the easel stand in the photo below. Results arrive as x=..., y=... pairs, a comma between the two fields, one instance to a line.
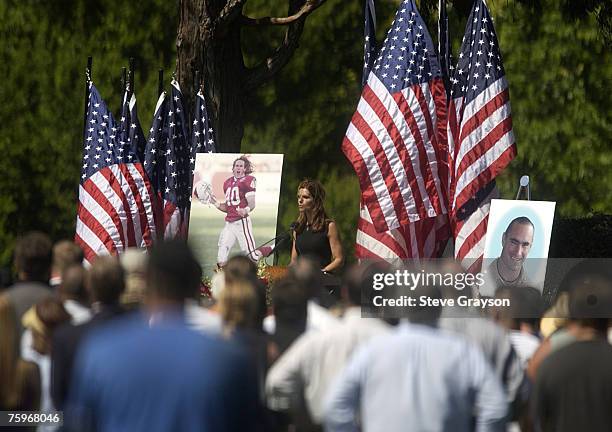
x=523, y=188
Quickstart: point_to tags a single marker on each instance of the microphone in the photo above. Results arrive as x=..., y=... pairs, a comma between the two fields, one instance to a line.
x=266, y=251
x=292, y=227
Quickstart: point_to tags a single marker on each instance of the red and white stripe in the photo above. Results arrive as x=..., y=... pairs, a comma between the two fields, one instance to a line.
x=421, y=239
x=485, y=142
x=115, y=211
x=470, y=235
x=392, y=143
x=173, y=220
x=481, y=145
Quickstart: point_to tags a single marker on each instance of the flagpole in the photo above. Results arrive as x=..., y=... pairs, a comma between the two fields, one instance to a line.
x=131, y=79
x=160, y=82
x=87, y=81
x=444, y=47
x=123, y=80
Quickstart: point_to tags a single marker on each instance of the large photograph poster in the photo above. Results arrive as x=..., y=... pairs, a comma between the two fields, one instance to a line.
x=517, y=242
x=246, y=190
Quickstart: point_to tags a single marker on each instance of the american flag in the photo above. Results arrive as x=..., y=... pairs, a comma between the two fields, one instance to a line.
x=155, y=156
x=422, y=239
x=114, y=210
x=130, y=131
x=480, y=137
x=203, y=134
x=167, y=163
x=202, y=137
x=394, y=145
x=369, y=44
x=202, y=140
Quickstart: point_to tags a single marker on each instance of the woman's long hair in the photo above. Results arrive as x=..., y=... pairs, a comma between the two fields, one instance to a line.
x=319, y=216
x=238, y=304
x=11, y=388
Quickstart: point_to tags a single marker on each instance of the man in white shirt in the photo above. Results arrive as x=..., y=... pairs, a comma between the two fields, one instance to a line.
x=313, y=362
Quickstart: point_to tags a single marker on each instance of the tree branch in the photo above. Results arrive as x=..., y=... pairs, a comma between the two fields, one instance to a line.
x=231, y=11
x=269, y=67
x=307, y=8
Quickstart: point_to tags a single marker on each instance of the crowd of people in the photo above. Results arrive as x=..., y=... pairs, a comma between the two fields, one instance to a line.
x=128, y=344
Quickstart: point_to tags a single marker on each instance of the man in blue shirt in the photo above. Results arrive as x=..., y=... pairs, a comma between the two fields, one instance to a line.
x=150, y=372
x=415, y=379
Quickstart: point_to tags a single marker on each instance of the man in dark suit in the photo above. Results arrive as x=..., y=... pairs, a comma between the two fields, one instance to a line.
x=105, y=283
x=33, y=264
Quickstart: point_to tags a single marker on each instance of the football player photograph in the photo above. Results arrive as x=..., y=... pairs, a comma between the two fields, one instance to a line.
x=234, y=207
x=239, y=190
x=316, y=235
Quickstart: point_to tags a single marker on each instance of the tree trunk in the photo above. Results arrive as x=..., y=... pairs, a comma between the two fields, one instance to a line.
x=217, y=55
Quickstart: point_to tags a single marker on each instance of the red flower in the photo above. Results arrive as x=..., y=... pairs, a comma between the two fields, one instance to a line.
x=205, y=289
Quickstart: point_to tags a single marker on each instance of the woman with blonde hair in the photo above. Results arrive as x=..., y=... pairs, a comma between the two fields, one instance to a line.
x=20, y=388
x=239, y=305
x=316, y=235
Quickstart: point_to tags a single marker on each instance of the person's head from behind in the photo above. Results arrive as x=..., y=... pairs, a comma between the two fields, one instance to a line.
x=290, y=306
x=524, y=312
x=173, y=275
x=447, y=266
x=240, y=266
x=73, y=284
x=308, y=275
x=134, y=263
x=310, y=200
x=33, y=257
x=589, y=287
x=65, y=254
x=42, y=320
x=425, y=314
x=240, y=305
x=358, y=283
x=6, y=278
x=105, y=281
x=289, y=300
x=516, y=242
x=306, y=272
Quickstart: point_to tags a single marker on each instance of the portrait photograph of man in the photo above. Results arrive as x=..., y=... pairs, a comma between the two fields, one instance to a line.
x=517, y=242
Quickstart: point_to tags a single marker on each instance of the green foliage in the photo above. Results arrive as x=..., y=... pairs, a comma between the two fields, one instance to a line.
x=560, y=75
x=43, y=57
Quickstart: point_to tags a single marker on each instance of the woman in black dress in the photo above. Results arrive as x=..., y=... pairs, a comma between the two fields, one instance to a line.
x=316, y=235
